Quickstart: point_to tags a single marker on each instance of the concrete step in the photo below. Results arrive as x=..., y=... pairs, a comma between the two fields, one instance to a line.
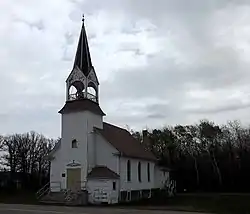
x=60, y=198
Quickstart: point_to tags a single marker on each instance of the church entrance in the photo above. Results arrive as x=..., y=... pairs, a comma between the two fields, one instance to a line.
x=74, y=179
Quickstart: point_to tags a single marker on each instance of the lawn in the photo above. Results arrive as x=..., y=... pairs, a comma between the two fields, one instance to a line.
x=19, y=197
x=213, y=203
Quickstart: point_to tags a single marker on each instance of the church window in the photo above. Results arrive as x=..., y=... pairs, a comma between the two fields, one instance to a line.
x=92, y=92
x=114, y=185
x=74, y=143
x=128, y=171
x=139, y=171
x=148, y=172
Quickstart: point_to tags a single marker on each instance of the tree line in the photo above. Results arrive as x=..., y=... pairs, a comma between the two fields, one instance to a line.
x=204, y=156
x=23, y=159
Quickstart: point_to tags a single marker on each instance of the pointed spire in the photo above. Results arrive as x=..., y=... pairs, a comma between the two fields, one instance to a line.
x=83, y=59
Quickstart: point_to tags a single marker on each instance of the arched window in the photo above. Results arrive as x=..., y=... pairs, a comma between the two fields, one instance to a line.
x=72, y=92
x=92, y=92
x=148, y=172
x=128, y=171
x=139, y=171
x=76, y=90
x=74, y=143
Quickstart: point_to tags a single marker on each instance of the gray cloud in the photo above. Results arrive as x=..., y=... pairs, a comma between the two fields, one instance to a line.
x=39, y=25
x=165, y=63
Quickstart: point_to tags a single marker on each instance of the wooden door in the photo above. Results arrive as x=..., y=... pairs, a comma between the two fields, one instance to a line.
x=74, y=179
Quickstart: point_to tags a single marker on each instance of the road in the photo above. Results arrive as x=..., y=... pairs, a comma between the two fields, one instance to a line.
x=42, y=209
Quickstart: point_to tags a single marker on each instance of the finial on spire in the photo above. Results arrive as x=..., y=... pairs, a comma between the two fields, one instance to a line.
x=82, y=17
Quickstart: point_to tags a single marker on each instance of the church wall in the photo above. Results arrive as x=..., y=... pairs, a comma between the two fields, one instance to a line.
x=55, y=172
x=104, y=189
x=106, y=154
x=134, y=184
x=93, y=121
x=73, y=127
x=78, y=125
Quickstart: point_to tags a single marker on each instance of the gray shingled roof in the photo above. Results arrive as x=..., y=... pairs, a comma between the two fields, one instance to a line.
x=124, y=142
x=83, y=59
x=81, y=105
x=103, y=172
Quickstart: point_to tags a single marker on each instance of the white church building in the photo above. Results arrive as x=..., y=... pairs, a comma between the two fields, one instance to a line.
x=99, y=158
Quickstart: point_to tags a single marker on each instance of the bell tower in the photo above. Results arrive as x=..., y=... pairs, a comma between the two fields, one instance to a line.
x=80, y=114
x=82, y=85
x=82, y=82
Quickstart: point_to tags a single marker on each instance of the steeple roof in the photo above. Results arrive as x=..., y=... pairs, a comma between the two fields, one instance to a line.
x=83, y=59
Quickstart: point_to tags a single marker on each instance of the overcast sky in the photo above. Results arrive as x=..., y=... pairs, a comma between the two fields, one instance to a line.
x=159, y=62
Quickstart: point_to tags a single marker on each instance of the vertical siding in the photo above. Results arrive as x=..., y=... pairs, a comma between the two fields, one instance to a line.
x=105, y=154
x=75, y=126
x=55, y=172
x=105, y=185
x=134, y=184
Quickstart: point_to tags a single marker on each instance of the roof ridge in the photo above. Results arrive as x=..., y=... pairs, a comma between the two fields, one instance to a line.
x=118, y=127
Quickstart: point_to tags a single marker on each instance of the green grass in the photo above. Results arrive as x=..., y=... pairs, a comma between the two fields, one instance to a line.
x=213, y=203
x=19, y=197
x=228, y=204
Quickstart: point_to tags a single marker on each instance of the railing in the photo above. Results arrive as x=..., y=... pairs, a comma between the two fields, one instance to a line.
x=82, y=95
x=56, y=185
x=72, y=97
x=71, y=194
x=47, y=188
x=92, y=97
x=44, y=190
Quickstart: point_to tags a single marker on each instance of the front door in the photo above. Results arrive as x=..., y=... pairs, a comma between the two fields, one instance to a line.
x=74, y=179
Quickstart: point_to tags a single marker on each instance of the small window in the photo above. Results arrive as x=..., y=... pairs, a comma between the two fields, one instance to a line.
x=74, y=143
x=128, y=171
x=63, y=175
x=114, y=185
x=139, y=171
x=148, y=172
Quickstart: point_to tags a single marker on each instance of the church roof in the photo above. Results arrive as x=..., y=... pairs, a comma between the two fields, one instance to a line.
x=124, y=142
x=83, y=59
x=102, y=172
x=81, y=105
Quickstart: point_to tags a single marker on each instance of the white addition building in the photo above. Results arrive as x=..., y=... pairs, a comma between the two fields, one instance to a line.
x=99, y=158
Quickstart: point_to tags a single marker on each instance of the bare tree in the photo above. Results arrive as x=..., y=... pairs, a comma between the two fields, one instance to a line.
x=26, y=153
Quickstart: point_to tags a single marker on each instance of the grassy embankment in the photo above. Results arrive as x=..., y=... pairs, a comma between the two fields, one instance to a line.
x=213, y=202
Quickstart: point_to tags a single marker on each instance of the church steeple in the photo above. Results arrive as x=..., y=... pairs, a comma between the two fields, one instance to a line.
x=83, y=59
x=82, y=82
